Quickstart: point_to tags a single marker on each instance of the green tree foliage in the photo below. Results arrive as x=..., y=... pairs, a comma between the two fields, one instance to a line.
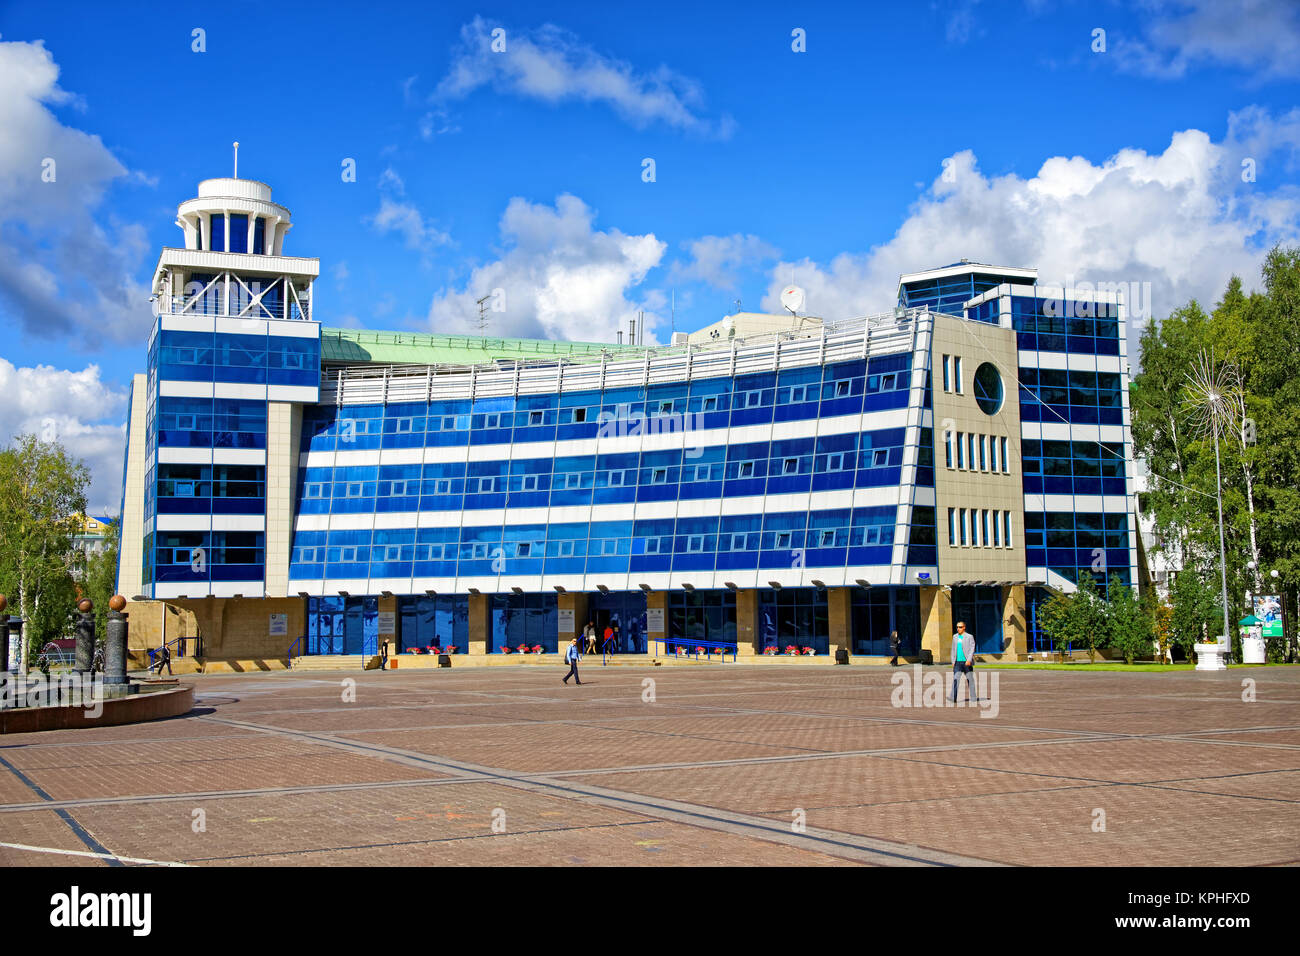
x=1129, y=622
x=1258, y=334
x=42, y=495
x=1196, y=614
x=100, y=582
x=1077, y=619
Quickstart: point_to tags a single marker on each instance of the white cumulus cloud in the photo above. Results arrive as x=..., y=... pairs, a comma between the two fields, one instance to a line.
x=1182, y=220
x=559, y=278
x=718, y=259
x=1259, y=36
x=76, y=408
x=552, y=65
x=62, y=272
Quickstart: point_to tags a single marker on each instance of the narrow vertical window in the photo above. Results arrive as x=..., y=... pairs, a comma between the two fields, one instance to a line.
x=1006, y=468
x=952, y=527
x=1006, y=529
x=993, y=453
x=963, y=527
x=947, y=448
x=970, y=449
x=983, y=459
x=956, y=373
x=961, y=457
x=997, y=531
x=947, y=373
x=984, y=526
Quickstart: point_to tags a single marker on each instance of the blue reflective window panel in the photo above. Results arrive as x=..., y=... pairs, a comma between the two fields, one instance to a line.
x=238, y=232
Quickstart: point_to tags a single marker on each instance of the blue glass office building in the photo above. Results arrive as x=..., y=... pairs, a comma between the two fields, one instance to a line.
x=815, y=488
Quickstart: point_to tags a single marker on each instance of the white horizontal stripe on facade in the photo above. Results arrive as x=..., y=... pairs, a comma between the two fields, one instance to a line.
x=184, y=522
x=615, y=511
x=245, y=390
x=401, y=456
x=352, y=522
x=294, y=328
x=196, y=589
x=1084, y=503
x=168, y=388
x=238, y=522
x=312, y=523
x=578, y=447
x=335, y=585
x=238, y=456
x=304, y=394
x=187, y=323
x=875, y=575
x=185, y=456
x=241, y=326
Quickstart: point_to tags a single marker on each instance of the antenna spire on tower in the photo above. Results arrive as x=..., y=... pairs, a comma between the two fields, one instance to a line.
x=236, y=159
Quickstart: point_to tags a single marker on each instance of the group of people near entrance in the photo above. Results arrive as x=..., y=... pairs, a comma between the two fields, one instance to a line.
x=611, y=643
x=963, y=655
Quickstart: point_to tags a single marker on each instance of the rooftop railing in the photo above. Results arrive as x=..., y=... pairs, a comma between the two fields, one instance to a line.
x=856, y=338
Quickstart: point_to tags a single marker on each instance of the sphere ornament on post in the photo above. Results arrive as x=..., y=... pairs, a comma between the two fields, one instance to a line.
x=4, y=603
x=116, y=603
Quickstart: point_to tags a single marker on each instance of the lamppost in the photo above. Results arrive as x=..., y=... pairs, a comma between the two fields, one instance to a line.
x=1211, y=391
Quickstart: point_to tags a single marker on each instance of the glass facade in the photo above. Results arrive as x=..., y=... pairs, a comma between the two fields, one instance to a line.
x=793, y=617
x=1084, y=539
x=877, y=612
x=949, y=294
x=700, y=616
x=440, y=621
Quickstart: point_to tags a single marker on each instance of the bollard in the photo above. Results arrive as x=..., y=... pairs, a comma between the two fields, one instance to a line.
x=85, y=638
x=115, y=642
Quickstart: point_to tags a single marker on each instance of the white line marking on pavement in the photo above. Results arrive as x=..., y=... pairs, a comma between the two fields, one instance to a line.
x=102, y=856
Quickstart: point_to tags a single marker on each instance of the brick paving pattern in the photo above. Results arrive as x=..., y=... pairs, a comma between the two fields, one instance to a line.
x=728, y=764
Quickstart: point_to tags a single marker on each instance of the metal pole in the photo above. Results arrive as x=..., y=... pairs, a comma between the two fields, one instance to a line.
x=1223, y=565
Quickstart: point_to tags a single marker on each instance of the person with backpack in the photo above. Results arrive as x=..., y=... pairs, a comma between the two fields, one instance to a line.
x=571, y=657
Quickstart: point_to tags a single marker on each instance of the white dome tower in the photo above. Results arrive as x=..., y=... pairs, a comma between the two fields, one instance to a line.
x=234, y=215
x=233, y=264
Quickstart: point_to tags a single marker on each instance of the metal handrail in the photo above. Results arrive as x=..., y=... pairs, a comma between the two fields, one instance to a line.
x=695, y=645
x=297, y=642
x=180, y=646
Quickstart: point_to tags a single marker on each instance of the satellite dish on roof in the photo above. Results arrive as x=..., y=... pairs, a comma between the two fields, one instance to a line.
x=792, y=298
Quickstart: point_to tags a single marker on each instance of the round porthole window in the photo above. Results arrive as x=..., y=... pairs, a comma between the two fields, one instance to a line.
x=988, y=388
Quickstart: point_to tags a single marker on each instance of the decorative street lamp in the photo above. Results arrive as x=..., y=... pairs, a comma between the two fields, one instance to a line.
x=1210, y=396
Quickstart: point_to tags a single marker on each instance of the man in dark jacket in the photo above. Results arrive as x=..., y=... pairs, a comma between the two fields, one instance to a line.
x=571, y=658
x=893, y=646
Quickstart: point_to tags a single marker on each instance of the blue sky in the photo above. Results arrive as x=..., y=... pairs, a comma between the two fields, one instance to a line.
x=523, y=169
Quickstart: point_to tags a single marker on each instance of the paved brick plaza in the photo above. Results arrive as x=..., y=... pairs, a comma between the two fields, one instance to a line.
x=712, y=772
